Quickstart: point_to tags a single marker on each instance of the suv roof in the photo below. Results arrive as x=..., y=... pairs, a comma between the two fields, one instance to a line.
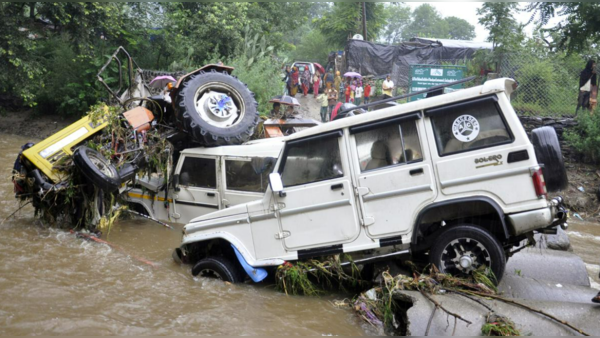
x=489, y=87
x=267, y=148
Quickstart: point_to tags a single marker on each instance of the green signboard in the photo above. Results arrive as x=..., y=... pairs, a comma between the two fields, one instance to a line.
x=426, y=76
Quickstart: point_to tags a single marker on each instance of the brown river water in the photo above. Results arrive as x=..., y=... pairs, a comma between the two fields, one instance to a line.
x=54, y=283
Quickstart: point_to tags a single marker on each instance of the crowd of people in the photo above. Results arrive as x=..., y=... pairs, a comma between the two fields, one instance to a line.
x=336, y=89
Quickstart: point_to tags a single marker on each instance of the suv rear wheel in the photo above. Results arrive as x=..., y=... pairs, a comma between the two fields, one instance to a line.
x=219, y=268
x=461, y=249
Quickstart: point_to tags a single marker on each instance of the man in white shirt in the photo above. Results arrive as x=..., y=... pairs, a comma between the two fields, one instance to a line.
x=387, y=87
x=358, y=93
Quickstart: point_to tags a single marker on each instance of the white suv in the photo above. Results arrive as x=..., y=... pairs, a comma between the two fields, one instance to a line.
x=453, y=178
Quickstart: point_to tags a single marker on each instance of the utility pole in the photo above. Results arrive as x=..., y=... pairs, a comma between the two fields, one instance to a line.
x=364, y=17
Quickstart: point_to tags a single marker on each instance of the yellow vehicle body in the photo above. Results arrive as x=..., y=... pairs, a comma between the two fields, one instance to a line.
x=46, y=153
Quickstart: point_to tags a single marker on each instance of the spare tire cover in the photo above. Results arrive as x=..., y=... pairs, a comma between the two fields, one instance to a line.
x=548, y=153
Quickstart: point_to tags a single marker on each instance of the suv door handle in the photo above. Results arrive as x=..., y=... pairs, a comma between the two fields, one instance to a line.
x=210, y=194
x=416, y=171
x=337, y=186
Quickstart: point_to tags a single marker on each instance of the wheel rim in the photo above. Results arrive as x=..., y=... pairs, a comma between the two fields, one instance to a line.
x=209, y=273
x=463, y=256
x=101, y=165
x=219, y=104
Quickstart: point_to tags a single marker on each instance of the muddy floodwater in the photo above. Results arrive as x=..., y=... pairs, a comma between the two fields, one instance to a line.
x=54, y=283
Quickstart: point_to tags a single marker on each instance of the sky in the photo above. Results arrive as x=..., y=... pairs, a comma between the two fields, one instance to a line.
x=468, y=11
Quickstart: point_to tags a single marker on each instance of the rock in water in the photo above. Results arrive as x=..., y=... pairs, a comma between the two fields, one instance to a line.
x=560, y=241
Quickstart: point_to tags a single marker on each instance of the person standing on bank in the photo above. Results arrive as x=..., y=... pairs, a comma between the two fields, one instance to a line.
x=367, y=93
x=287, y=79
x=587, y=79
x=387, y=87
x=295, y=76
x=337, y=82
x=316, y=81
x=306, y=80
x=324, y=106
x=332, y=98
x=358, y=93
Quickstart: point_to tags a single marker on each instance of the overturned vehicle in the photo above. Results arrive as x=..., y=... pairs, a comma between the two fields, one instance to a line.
x=131, y=152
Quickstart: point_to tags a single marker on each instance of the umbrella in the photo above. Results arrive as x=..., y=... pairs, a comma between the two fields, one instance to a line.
x=285, y=100
x=319, y=68
x=352, y=74
x=161, y=81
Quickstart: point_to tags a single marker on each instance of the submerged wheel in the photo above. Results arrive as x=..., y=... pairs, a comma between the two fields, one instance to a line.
x=219, y=268
x=97, y=169
x=216, y=109
x=462, y=249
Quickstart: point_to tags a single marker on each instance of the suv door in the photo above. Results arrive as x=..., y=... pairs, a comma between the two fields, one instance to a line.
x=198, y=194
x=395, y=175
x=245, y=179
x=317, y=206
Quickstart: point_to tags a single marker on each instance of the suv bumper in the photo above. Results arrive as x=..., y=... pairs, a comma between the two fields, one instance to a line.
x=553, y=215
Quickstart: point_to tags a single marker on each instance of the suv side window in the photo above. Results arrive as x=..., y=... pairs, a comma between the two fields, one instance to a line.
x=468, y=126
x=312, y=160
x=388, y=145
x=198, y=172
x=241, y=175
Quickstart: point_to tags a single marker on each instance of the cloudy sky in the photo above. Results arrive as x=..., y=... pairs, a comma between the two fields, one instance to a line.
x=468, y=11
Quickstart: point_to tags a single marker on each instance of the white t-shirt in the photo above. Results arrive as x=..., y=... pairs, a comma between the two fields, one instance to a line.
x=358, y=92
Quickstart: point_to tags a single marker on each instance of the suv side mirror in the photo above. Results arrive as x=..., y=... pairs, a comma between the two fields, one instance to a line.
x=176, y=182
x=275, y=182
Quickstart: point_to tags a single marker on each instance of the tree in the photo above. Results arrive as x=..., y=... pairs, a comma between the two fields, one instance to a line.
x=426, y=22
x=399, y=18
x=504, y=31
x=580, y=30
x=460, y=29
x=344, y=20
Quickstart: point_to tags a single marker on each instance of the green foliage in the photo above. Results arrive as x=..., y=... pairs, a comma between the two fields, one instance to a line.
x=345, y=19
x=399, y=18
x=313, y=47
x=262, y=76
x=504, y=31
x=578, y=32
x=499, y=326
x=459, y=29
x=585, y=137
x=426, y=22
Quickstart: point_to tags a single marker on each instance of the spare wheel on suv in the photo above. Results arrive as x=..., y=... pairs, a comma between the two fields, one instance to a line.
x=216, y=109
x=547, y=152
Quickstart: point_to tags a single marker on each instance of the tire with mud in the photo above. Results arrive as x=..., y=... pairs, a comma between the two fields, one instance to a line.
x=215, y=108
x=97, y=169
x=548, y=153
x=218, y=267
x=461, y=249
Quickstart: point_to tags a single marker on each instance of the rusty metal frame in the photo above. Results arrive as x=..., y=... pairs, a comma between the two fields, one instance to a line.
x=130, y=74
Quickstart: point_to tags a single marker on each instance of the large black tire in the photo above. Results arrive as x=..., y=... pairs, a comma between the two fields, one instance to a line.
x=480, y=247
x=97, y=169
x=547, y=152
x=220, y=268
x=207, y=126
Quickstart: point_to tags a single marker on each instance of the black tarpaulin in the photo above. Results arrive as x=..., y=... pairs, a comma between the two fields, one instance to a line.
x=372, y=59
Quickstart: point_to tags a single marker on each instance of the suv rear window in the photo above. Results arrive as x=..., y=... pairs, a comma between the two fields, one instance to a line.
x=388, y=145
x=312, y=160
x=469, y=126
x=241, y=175
x=198, y=172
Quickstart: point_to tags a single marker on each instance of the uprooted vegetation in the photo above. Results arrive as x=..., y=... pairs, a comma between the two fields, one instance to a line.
x=385, y=306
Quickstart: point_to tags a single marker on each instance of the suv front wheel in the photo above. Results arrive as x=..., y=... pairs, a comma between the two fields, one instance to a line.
x=461, y=249
x=218, y=267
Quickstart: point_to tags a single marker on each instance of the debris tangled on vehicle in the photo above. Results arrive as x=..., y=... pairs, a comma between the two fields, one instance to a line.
x=310, y=277
x=76, y=200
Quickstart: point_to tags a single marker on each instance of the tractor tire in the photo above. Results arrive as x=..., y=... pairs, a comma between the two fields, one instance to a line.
x=548, y=153
x=216, y=109
x=97, y=169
